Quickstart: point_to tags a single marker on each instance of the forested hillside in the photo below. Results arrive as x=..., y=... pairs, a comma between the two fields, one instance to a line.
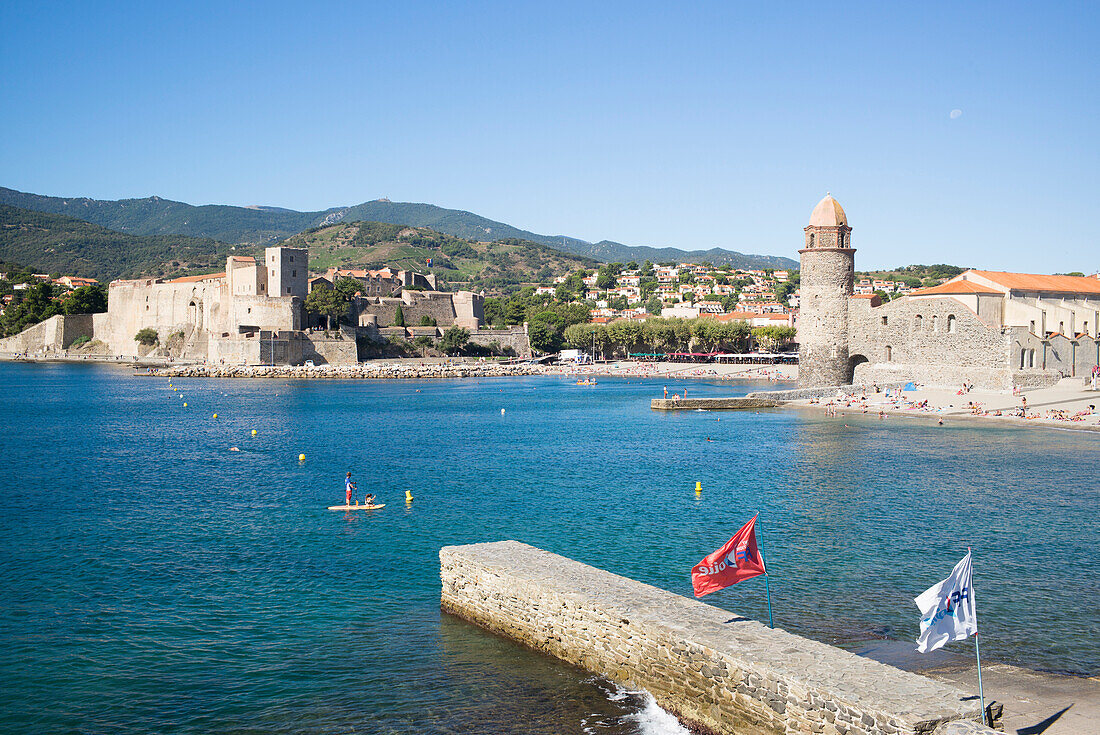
x=55, y=243
x=457, y=262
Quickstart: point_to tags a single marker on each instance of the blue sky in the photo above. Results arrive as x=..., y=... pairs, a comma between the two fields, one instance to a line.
x=690, y=125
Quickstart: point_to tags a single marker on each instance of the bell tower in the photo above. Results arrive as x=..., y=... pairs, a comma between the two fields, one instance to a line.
x=826, y=283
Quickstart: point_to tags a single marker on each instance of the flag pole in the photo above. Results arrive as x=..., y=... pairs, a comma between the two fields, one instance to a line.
x=768, y=587
x=977, y=650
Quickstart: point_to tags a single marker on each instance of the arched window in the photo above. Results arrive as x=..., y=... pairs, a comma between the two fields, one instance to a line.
x=951, y=323
x=811, y=239
x=935, y=323
x=889, y=353
x=917, y=322
x=1023, y=358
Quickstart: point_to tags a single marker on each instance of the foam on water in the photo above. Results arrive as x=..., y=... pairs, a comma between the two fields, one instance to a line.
x=644, y=715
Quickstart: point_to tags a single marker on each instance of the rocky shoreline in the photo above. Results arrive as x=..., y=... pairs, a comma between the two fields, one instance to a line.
x=367, y=370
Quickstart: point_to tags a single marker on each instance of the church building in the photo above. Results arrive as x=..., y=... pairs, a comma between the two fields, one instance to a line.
x=992, y=329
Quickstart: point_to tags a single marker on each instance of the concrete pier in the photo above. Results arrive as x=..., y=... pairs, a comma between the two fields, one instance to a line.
x=713, y=404
x=717, y=671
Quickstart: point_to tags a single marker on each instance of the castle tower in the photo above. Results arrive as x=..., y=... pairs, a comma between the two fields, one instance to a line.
x=827, y=265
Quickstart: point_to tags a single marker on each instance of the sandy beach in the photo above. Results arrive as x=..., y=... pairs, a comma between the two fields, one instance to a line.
x=1070, y=404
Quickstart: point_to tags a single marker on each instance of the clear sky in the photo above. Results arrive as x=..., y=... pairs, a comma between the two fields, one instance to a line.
x=690, y=125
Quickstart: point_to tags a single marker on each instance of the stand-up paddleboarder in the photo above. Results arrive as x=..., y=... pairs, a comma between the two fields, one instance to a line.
x=349, y=488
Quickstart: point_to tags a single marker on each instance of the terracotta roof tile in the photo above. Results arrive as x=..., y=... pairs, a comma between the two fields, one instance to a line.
x=1040, y=282
x=196, y=279
x=953, y=287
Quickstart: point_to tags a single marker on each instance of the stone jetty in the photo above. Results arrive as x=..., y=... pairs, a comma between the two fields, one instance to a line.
x=717, y=671
x=756, y=400
x=364, y=370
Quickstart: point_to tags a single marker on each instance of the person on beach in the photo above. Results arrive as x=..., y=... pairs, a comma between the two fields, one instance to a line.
x=349, y=488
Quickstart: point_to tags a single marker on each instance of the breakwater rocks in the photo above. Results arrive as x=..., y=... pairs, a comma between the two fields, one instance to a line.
x=717, y=671
x=365, y=370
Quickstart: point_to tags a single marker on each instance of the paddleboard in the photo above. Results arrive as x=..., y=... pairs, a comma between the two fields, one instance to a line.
x=356, y=507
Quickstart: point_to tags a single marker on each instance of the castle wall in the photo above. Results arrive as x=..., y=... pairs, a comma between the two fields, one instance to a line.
x=463, y=308
x=514, y=337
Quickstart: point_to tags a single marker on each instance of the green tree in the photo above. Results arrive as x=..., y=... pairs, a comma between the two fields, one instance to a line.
x=454, y=340
x=86, y=300
x=349, y=287
x=328, y=302
x=654, y=306
x=399, y=316
x=147, y=336
x=427, y=321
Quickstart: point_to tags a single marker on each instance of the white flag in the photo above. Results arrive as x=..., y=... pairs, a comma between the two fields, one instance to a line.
x=947, y=610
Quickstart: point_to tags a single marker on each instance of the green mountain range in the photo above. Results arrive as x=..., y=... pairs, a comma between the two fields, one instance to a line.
x=53, y=243
x=266, y=225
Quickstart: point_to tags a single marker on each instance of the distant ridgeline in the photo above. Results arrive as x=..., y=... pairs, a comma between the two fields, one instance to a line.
x=265, y=225
x=56, y=243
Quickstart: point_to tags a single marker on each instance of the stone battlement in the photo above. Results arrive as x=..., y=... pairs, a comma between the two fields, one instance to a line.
x=715, y=670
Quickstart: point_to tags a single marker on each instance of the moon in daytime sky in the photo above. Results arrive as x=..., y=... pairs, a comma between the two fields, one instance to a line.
x=956, y=113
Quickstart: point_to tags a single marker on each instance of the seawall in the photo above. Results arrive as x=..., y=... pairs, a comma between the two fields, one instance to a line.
x=756, y=400
x=717, y=671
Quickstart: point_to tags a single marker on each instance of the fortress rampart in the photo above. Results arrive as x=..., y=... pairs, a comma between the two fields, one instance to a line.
x=713, y=669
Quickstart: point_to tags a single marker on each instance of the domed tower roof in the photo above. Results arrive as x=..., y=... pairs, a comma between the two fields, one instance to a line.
x=828, y=213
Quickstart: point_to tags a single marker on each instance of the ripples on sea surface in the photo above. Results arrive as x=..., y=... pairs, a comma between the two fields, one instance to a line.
x=155, y=581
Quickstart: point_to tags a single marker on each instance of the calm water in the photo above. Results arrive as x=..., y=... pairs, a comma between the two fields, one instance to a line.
x=152, y=580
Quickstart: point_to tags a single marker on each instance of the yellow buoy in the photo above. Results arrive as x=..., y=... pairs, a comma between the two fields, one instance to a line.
x=253, y=432
x=215, y=415
x=301, y=458
x=408, y=496
x=185, y=404
x=698, y=488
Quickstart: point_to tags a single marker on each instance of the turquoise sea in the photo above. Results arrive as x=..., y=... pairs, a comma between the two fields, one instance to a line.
x=154, y=581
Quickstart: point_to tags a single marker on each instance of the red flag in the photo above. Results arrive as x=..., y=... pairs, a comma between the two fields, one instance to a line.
x=736, y=561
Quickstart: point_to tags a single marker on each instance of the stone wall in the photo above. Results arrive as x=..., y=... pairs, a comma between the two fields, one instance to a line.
x=823, y=320
x=715, y=404
x=330, y=351
x=50, y=335
x=514, y=337
x=713, y=669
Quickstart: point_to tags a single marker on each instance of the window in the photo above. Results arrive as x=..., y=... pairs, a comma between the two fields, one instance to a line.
x=1023, y=358
x=288, y=289
x=293, y=274
x=1061, y=327
x=889, y=353
x=291, y=258
x=935, y=323
x=917, y=322
x=884, y=321
x=951, y=323
x=272, y=272
x=811, y=239
x=1032, y=327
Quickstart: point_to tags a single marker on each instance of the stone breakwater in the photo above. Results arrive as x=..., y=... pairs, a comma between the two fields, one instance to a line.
x=713, y=404
x=366, y=370
x=718, y=672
